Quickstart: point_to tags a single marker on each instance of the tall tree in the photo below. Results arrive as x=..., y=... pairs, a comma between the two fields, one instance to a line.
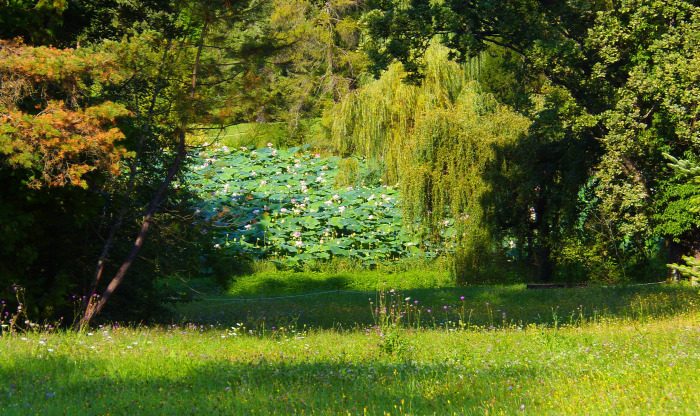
x=616, y=80
x=59, y=144
x=171, y=70
x=439, y=141
x=195, y=79
x=318, y=61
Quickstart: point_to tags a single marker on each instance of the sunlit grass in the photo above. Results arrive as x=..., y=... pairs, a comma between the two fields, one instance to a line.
x=638, y=354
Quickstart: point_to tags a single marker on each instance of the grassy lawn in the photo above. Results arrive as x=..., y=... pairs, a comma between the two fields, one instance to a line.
x=331, y=299
x=516, y=351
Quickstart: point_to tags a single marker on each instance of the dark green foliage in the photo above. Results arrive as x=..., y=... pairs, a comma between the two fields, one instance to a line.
x=45, y=244
x=38, y=22
x=66, y=231
x=611, y=86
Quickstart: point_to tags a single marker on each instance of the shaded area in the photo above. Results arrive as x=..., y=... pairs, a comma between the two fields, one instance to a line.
x=482, y=306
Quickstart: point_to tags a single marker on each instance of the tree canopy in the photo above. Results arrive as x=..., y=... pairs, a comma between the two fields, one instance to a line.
x=619, y=86
x=540, y=128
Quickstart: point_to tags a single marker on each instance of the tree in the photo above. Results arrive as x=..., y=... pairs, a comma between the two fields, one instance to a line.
x=691, y=171
x=180, y=71
x=58, y=145
x=192, y=82
x=318, y=61
x=616, y=81
x=438, y=141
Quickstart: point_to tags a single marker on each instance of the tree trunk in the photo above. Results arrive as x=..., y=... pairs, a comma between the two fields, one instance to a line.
x=116, y=226
x=544, y=263
x=95, y=304
x=675, y=256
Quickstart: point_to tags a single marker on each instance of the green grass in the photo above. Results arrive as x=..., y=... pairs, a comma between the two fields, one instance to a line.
x=625, y=351
x=333, y=297
x=258, y=135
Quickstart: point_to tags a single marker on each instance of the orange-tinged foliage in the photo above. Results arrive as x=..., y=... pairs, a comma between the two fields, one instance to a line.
x=62, y=142
x=68, y=68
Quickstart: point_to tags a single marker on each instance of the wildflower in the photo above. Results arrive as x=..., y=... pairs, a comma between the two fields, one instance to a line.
x=444, y=307
x=256, y=211
x=429, y=311
x=416, y=302
x=341, y=209
x=297, y=234
x=462, y=298
x=299, y=243
x=283, y=210
x=269, y=144
x=371, y=217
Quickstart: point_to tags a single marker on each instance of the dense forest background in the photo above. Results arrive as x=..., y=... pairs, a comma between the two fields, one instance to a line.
x=542, y=130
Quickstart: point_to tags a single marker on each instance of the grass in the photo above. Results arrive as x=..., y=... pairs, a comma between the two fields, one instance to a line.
x=583, y=351
x=332, y=298
x=258, y=135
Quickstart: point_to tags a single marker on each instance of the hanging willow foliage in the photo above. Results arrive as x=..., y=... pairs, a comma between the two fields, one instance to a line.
x=439, y=141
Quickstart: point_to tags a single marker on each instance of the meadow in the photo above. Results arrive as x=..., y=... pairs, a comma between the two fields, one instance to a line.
x=343, y=312
x=458, y=351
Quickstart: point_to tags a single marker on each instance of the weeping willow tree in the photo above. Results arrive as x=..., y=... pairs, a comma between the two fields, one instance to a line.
x=439, y=141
